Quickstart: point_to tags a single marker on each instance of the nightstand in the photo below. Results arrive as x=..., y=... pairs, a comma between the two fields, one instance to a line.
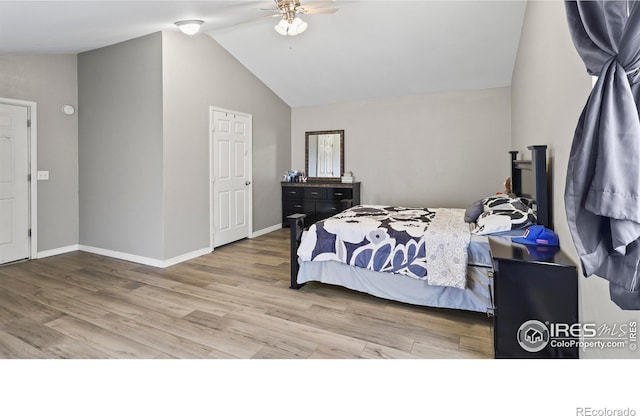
x=535, y=293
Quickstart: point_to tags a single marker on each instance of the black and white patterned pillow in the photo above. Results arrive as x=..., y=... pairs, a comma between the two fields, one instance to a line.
x=496, y=221
x=504, y=202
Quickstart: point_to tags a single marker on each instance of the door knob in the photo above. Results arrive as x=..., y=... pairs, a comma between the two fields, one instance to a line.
x=247, y=183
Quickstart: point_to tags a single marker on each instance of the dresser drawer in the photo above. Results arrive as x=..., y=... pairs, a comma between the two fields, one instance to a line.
x=292, y=192
x=339, y=193
x=327, y=209
x=315, y=193
x=294, y=206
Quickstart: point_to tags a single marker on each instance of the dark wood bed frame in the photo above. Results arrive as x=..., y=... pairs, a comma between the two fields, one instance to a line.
x=528, y=179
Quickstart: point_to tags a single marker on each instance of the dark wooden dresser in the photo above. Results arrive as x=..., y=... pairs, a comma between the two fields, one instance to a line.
x=318, y=200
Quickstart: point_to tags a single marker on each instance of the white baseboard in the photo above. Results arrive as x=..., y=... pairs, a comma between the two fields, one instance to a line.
x=125, y=256
x=266, y=231
x=187, y=256
x=57, y=251
x=145, y=260
x=122, y=256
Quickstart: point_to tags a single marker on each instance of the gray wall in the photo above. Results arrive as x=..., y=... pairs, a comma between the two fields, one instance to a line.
x=549, y=90
x=120, y=147
x=144, y=137
x=51, y=82
x=198, y=73
x=437, y=150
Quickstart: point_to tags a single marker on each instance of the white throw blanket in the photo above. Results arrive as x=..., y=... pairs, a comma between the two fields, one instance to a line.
x=446, y=243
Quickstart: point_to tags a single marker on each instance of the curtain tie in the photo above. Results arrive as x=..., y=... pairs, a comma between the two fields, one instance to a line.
x=633, y=75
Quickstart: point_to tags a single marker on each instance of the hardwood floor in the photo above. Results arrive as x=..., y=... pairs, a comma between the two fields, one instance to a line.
x=233, y=303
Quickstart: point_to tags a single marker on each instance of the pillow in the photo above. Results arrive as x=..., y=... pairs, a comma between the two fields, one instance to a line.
x=495, y=201
x=496, y=221
x=473, y=212
x=504, y=202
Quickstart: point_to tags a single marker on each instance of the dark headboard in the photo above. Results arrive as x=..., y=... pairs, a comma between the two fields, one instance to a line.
x=529, y=179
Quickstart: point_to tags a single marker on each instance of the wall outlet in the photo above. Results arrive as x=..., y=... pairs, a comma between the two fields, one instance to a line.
x=43, y=175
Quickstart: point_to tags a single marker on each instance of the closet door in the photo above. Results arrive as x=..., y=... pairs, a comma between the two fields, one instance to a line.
x=231, y=177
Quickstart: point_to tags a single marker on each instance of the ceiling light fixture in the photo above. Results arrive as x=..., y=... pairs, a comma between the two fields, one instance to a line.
x=189, y=27
x=291, y=27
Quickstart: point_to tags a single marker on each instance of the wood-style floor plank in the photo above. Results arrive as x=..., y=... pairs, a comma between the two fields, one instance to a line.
x=231, y=345
x=231, y=304
x=249, y=327
x=12, y=347
x=171, y=345
x=374, y=350
x=111, y=343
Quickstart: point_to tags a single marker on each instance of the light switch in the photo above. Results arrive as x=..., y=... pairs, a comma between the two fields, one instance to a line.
x=43, y=175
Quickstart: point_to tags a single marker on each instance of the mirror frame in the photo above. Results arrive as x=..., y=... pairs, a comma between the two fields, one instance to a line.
x=306, y=155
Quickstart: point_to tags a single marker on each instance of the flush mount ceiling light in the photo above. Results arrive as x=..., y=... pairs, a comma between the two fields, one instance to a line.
x=189, y=27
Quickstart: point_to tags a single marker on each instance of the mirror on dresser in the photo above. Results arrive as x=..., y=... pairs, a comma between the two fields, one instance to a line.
x=324, y=155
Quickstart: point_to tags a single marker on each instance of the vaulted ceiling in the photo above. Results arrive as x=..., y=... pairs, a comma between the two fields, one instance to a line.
x=368, y=49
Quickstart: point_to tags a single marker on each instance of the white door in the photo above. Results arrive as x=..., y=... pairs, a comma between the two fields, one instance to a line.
x=231, y=176
x=14, y=184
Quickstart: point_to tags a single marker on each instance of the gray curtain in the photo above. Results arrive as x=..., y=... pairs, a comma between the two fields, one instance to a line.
x=602, y=194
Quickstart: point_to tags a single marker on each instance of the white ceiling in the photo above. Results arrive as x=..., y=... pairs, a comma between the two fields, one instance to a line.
x=368, y=49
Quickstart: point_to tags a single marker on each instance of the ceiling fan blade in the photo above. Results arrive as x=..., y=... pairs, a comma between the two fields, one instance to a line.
x=235, y=25
x=316, y=4
x=257, y=19
x=317, y=11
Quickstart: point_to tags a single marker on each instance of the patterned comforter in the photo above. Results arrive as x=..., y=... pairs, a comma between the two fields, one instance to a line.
x=426, y=244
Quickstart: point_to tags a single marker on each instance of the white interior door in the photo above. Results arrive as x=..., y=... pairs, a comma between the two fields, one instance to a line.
x=14, y=184
x=231, y=150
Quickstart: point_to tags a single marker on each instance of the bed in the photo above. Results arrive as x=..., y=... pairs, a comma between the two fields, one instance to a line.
x=421, y=256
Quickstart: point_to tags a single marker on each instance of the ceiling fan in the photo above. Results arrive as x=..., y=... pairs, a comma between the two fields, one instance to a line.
x=288, y=10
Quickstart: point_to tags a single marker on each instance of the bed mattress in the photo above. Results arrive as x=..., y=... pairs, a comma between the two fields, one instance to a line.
x=476, y=297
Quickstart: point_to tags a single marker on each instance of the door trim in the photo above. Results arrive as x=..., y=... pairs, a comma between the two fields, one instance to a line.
x=211, y=170
x=32, y=149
